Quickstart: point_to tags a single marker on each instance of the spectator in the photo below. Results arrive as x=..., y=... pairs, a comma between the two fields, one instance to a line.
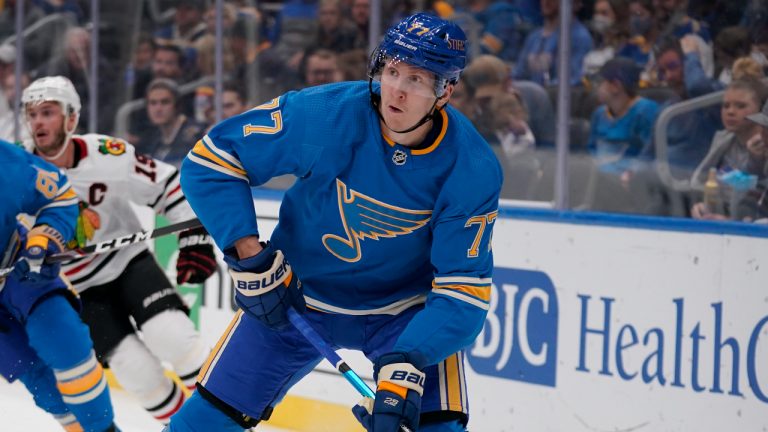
x=488, y=75
x=500, y=32
x=70, y=7
x=168, y=62
x=689, y=134
x=754, y=206
x=354, y=65
x=321, y=67
x=138, y=73
x=610, y=30
x=673, y=21
x=74, y=62
x=334, y=32
x=233, y=100
x=747, y=67
x=463, y=97
x=760, y=48
x=739, y=145
x=188, y=24
x=510, y=124
x=621, y=128
x=731, y=43
x=171, y=133
x=361, y=16
x=643, y=32
x=8, y=120
x=256, y=64
x=205, y=46
x=538, y=58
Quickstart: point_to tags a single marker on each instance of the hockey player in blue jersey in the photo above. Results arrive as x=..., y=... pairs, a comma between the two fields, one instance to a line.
x=43, y=342
x=388, y=227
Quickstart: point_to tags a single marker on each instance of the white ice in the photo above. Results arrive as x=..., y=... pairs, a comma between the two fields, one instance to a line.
x=18, y=413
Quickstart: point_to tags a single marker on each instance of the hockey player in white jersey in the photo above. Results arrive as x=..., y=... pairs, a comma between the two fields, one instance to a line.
x=125, y=284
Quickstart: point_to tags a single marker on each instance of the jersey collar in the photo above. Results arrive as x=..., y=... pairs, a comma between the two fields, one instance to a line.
x=435, y=136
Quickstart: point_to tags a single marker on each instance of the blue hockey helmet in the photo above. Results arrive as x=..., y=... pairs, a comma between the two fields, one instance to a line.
x=425, y=41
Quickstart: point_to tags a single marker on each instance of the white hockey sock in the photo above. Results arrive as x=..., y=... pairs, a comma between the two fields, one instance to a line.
x=141, y=373
x=172, y=336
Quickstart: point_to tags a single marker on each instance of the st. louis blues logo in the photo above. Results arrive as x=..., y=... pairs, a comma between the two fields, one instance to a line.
x=399, y=157
x=364, y=217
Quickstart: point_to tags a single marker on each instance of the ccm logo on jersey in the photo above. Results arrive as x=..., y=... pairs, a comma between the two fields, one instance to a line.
x=253, y=284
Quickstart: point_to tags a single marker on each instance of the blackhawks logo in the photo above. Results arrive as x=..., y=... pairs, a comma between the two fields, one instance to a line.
x=111, y=146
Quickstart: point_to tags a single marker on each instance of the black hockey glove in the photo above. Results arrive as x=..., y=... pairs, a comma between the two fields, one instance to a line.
x=265, y=286
x=399, y=387
x=196, y=258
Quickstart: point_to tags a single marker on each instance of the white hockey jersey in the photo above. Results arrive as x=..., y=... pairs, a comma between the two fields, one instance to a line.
x=108, y=174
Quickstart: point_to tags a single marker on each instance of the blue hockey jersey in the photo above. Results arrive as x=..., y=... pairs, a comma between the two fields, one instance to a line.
x=370, y=226
x=32, y=186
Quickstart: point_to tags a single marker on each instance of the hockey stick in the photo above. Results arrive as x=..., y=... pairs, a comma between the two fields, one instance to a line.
x=117, y=243
x=322, y=346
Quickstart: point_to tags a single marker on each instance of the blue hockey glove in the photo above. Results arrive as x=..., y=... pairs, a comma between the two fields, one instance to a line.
x=39, y=242
x=398, y=396
x=265, y=286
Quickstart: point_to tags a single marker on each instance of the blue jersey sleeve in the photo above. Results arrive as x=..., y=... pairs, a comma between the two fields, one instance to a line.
x=244, y=151
x=53, y=201
x=456, y=307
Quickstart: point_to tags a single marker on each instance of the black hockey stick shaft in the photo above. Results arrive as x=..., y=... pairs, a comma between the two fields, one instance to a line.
x=117, y=243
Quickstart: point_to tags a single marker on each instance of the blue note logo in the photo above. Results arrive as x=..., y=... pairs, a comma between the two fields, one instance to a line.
x=519, y=340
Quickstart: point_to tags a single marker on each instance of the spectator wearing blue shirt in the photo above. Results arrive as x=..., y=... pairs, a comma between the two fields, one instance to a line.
x=501, y=24
x=688, y=135
x=621, y=128
x=538, y=59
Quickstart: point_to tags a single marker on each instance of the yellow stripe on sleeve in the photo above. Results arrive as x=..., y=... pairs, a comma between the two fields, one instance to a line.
x=201, y=150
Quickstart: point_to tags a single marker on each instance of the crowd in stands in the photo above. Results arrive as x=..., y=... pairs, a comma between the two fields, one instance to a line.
x=629, y=61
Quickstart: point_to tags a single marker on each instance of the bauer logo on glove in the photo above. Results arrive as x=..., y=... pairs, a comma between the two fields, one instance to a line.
x=253, y=284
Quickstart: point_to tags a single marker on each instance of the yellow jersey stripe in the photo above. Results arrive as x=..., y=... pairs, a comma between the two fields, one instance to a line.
x=66, y=195
x=221, y=153
x=462, y=297
x=83, y=383
x=453, y=382
x=208, y=164
x=479, y=292
x=202, y=150
x=217, y=350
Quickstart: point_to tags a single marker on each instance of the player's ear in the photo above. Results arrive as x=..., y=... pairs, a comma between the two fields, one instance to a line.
x=443, y=100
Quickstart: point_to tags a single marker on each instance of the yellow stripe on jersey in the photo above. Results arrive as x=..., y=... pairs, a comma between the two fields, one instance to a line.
x=476, y=296
x=66, y=195
x=216, y=351
x=81, y=384
x=453, y=378
x=479, y=292
x=201, y=150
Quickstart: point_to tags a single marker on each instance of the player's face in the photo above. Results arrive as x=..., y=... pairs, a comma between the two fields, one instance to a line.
x=407, y=94
x=46, y=125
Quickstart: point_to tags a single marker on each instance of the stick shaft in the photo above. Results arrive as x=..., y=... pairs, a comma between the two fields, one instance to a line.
x=117, y=243
x=317, y=341
x=322, y=346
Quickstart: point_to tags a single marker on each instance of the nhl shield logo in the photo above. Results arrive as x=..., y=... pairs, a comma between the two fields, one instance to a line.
x=399, y=157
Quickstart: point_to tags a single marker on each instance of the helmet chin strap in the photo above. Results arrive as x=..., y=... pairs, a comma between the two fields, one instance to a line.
x=376, y=99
